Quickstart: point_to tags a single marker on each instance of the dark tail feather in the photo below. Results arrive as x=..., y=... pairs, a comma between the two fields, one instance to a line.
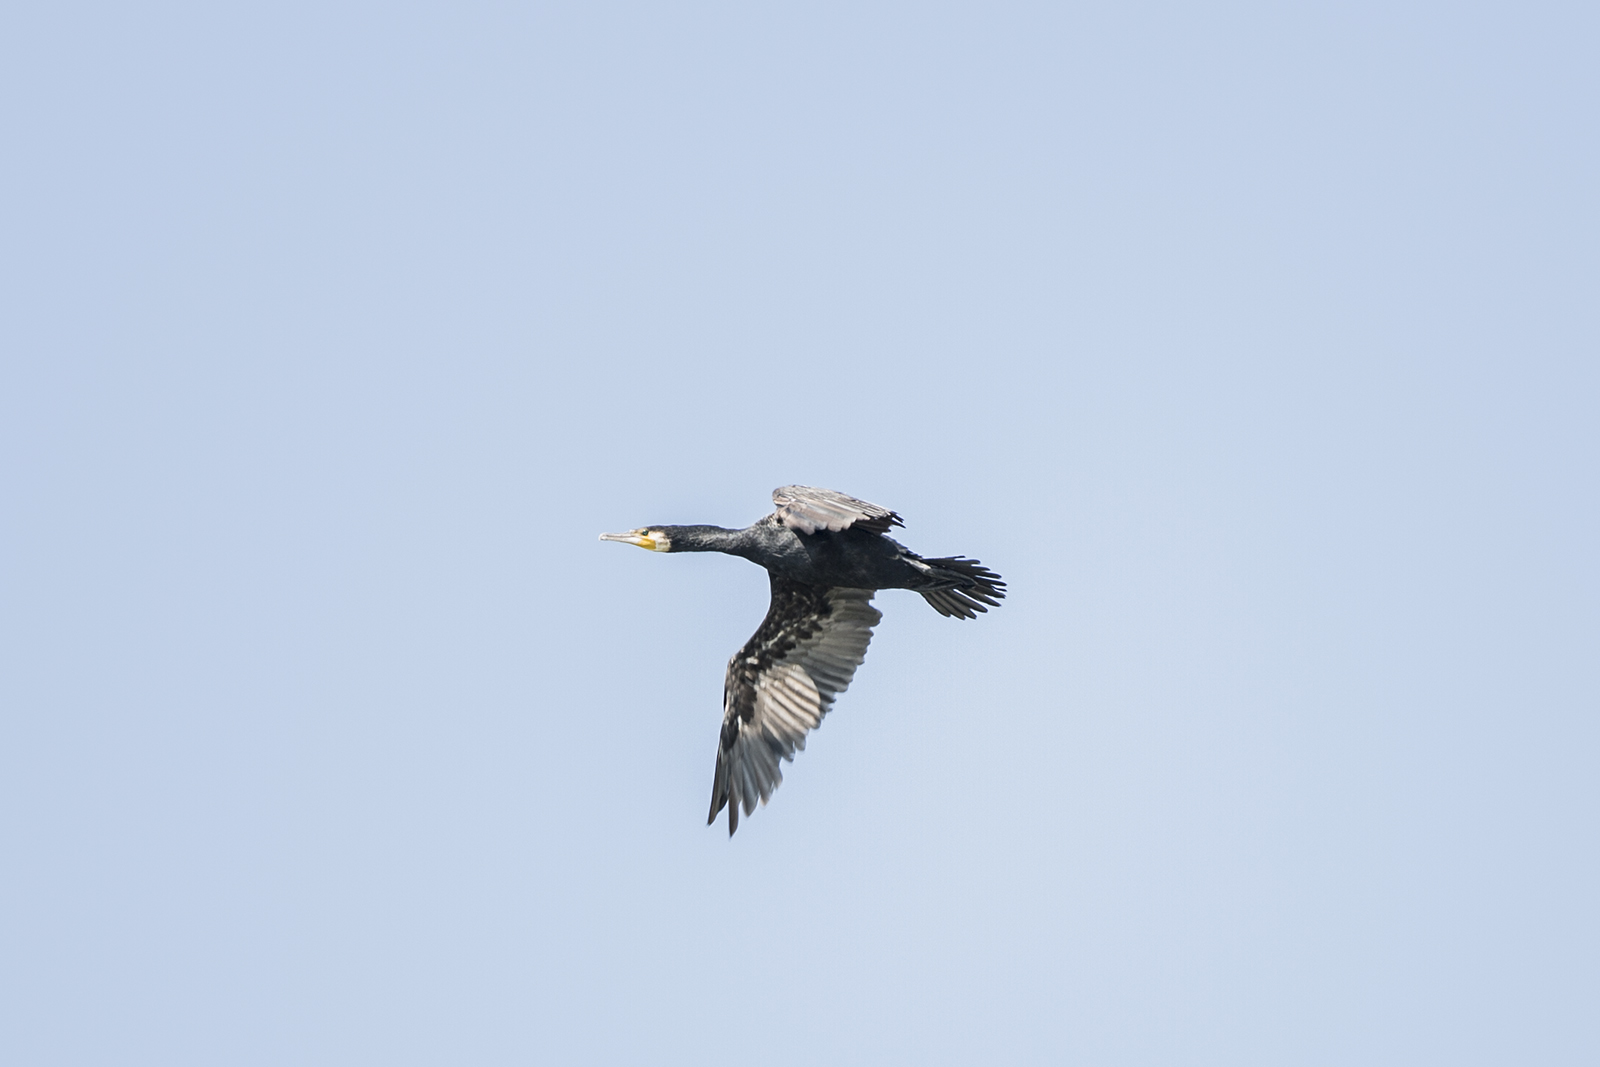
x=972, y=586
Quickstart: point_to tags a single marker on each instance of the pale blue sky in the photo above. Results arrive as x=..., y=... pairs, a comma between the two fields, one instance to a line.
x=1254, y=344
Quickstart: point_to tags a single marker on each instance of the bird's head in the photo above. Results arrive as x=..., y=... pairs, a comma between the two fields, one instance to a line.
x=654, y=538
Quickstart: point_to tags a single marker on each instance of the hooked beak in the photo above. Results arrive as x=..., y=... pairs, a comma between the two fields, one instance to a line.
x=641, y=538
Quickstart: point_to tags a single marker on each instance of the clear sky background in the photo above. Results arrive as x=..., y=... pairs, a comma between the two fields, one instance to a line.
x=1256, y=345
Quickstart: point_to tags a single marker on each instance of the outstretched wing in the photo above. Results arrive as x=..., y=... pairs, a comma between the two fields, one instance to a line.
x=781, y=684
x=807, y=509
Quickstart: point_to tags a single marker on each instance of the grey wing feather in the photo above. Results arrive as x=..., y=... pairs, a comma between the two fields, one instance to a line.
x=781, y=684
x=808, y=509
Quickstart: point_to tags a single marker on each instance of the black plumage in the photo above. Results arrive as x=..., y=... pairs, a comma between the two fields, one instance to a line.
x=826, y=554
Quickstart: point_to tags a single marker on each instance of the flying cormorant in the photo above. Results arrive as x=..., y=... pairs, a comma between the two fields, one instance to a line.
x=826, y=554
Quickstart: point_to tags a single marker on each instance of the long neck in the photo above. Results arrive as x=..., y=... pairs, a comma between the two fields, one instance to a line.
x=708, y=539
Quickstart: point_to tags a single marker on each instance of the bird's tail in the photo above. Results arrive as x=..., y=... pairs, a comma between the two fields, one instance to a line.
x=971, y=587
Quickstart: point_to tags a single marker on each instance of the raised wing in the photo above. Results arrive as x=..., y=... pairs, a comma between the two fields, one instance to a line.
x=781, y=684
x=807, y=509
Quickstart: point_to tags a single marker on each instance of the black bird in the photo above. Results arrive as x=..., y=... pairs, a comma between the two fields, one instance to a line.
x=826, y=553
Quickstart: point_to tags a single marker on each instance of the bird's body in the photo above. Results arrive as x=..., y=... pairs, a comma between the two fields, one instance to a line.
x=854, y=558
x=826, y=554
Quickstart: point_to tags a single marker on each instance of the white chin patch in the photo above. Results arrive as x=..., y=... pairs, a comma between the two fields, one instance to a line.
x=663, y=543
